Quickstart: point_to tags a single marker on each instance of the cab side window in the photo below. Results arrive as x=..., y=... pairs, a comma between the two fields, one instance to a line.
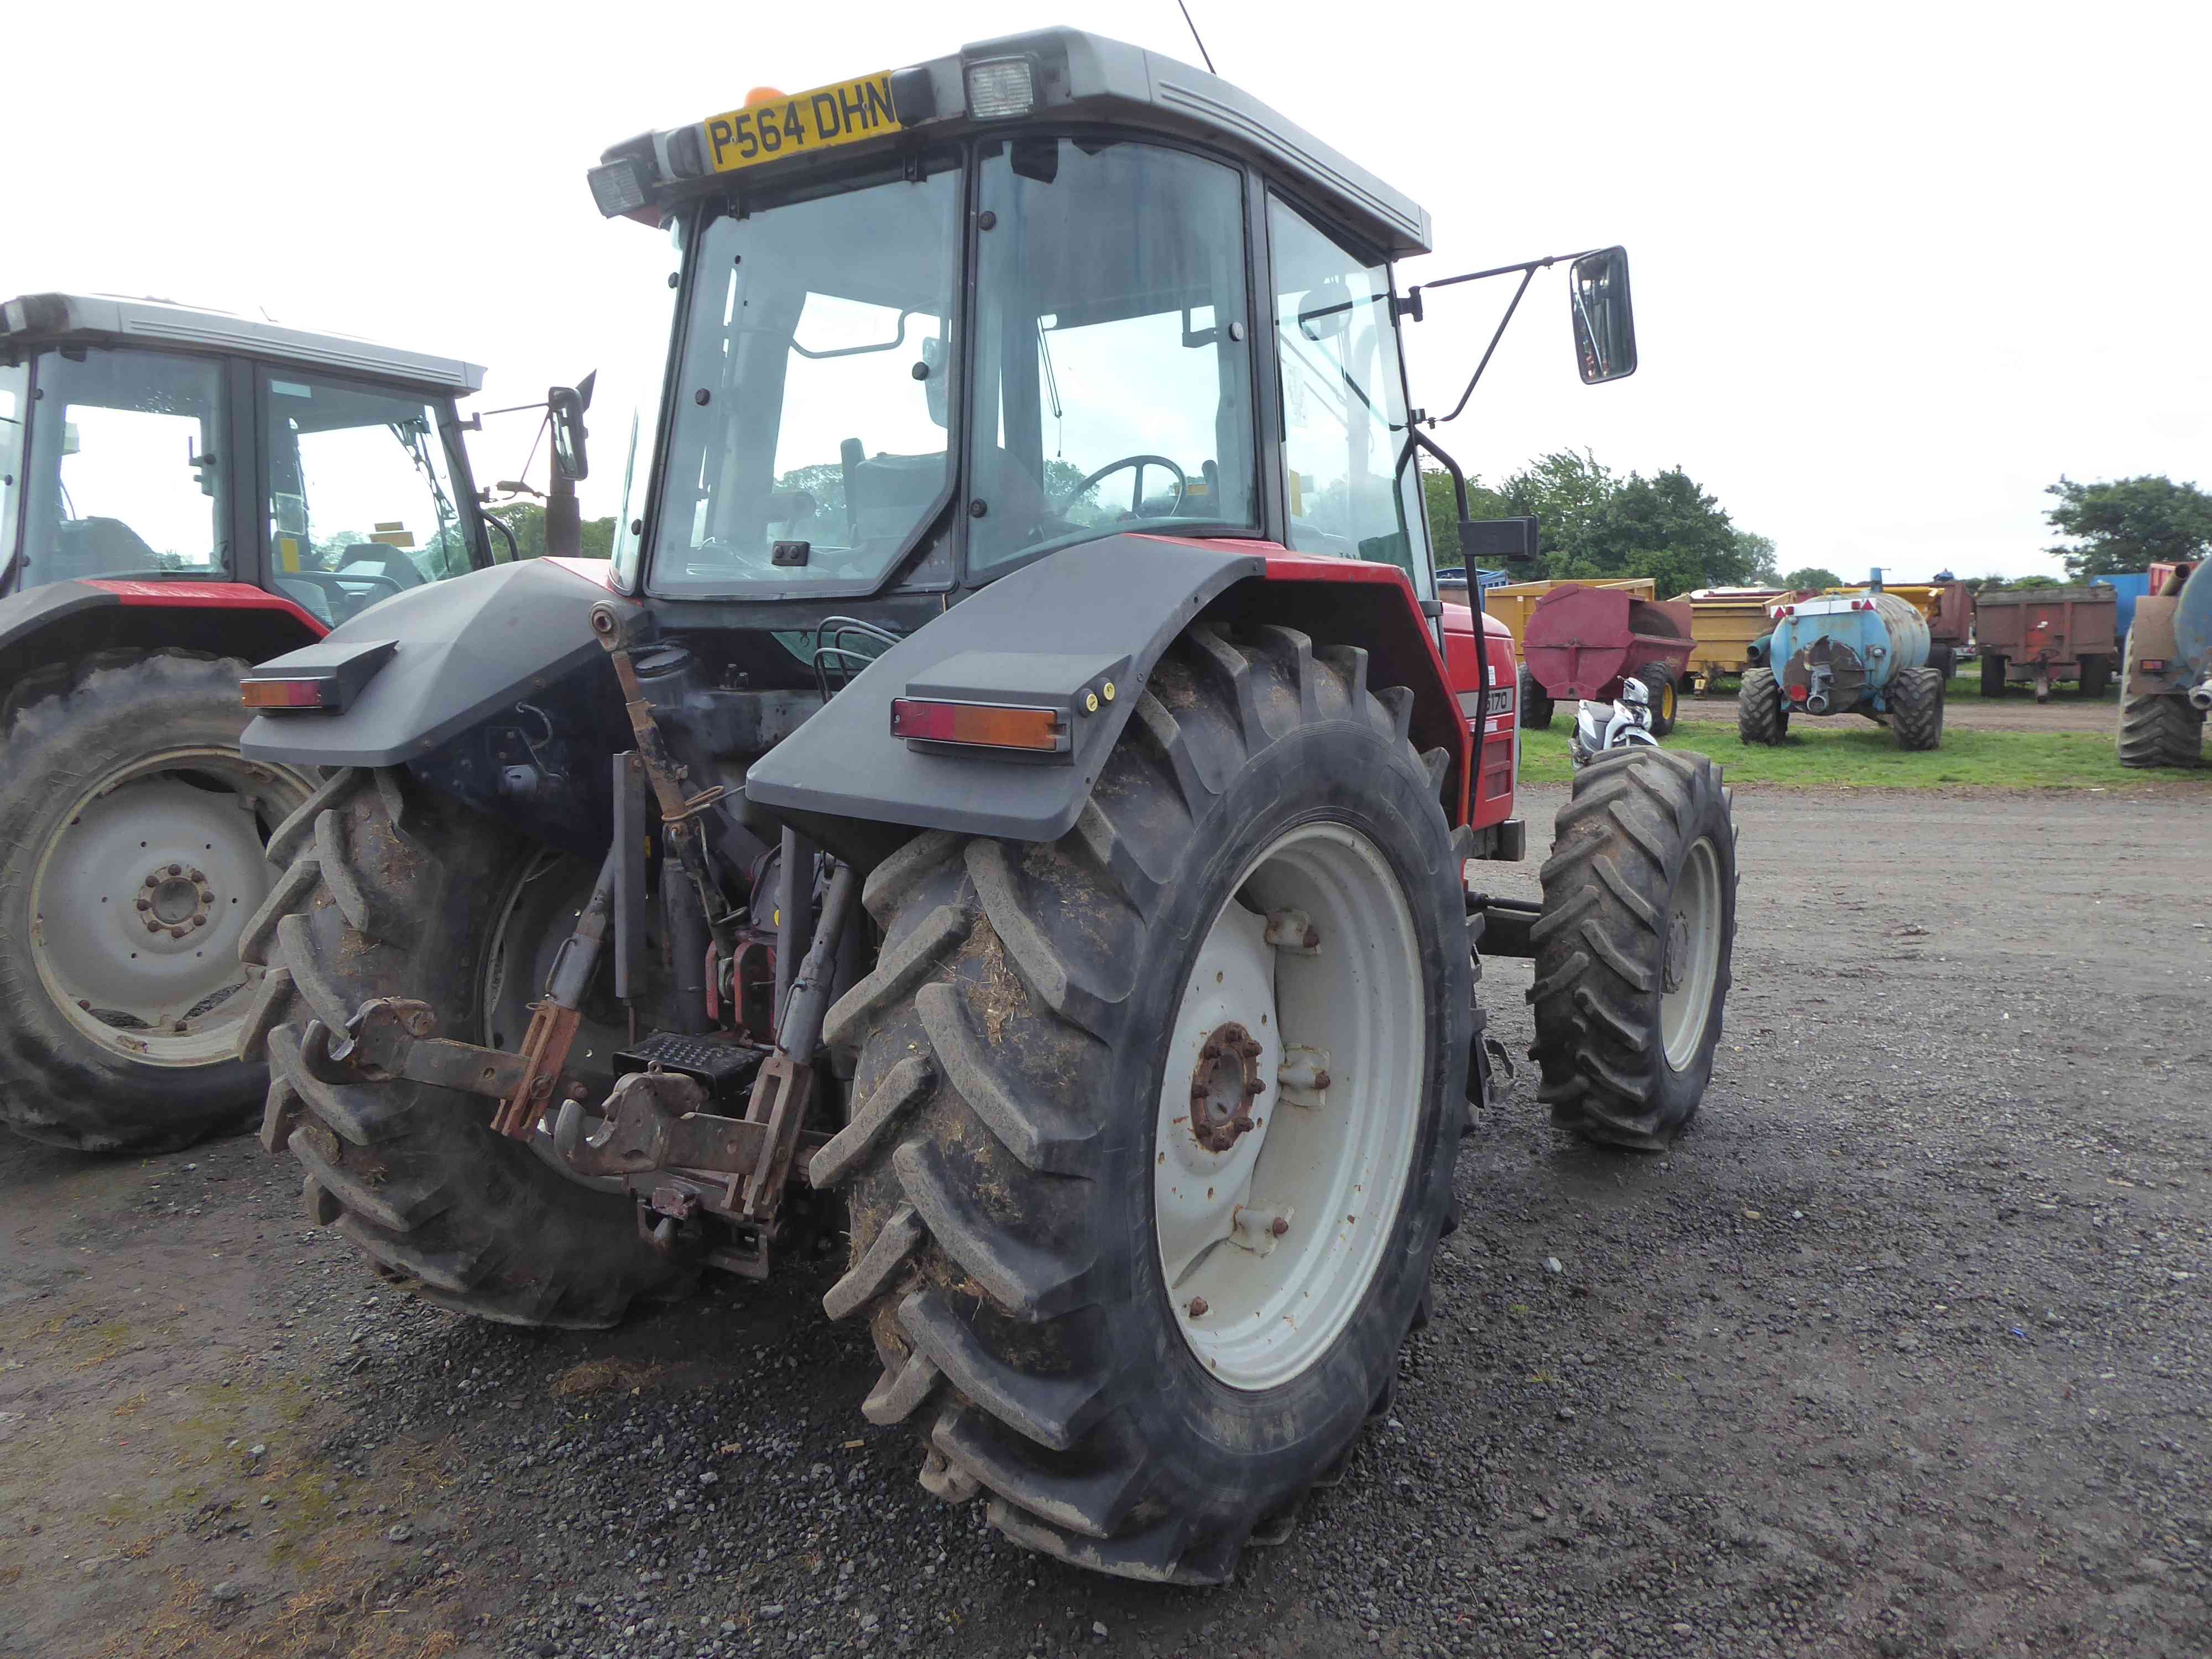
x=1344, y=425
x=360, y=497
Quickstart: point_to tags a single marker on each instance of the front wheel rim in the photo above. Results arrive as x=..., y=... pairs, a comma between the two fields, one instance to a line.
x=1692, y=955
x=1305, y=1008
x=139, y=898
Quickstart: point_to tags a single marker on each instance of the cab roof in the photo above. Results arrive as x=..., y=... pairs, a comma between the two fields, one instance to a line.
x=112, y=318
x=1079, y=77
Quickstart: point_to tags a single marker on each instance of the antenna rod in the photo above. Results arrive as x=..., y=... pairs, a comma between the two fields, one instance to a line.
x=1202, y=51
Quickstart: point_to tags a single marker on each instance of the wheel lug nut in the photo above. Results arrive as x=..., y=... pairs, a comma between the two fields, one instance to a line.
x=199, y=922
x=154, y=880
x=1279, y=1226
x=1197, y=1307
x=1240, y=1123
x=1313, y=939
x=152, y=925
x=176, y=869
x=1253, y=1086
x=1248, y=1048
x=178, y=932
x=145, y=904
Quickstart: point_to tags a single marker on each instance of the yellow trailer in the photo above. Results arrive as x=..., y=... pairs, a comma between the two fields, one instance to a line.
x=1724, y=622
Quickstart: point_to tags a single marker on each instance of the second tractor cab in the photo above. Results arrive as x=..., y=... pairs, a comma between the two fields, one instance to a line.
x=1010, y=798
x=182, y=492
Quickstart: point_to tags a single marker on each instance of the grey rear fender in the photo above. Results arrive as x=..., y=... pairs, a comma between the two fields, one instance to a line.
x=466, y=649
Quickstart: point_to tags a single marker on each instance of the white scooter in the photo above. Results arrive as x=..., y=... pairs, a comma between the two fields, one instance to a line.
x=1625, y=724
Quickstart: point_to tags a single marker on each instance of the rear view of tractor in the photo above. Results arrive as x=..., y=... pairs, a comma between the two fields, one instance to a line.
x=1845, y=654
x=1011, y=799
x=182, y=493
x=2169, y=685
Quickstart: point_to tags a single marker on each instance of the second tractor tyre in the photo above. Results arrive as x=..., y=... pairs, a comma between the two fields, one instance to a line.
x=1634, y=947
x=1659, y=680
x=131, y=838
x=1535, y=703
x=1063, y=1249
x=1915, y=708
x=1761, y=716
x=386, y=893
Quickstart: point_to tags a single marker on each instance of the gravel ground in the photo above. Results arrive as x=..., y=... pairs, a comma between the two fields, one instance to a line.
x=1903, y=1350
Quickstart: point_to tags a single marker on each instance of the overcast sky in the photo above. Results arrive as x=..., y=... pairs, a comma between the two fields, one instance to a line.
x=1896, y=267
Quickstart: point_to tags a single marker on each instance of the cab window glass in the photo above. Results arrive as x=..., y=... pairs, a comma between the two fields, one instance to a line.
x=15, y=392
x=125, y=477
x=1343, y=402
x=361, y=495
x=1113, y=372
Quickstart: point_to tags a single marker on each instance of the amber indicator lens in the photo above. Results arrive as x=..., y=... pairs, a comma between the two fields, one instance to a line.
x=287, y=694
x=981, y=726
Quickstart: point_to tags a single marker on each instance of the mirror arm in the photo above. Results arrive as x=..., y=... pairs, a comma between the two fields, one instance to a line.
x=1527, y=276
x=1528, y=270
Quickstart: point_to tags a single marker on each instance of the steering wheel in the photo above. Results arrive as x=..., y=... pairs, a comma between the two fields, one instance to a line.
x=1136, y=489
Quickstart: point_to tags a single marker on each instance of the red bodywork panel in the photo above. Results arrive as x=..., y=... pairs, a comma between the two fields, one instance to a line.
x=2052, y=629
x=1374, y=606
x=1581, y=642
x=207, y=596
x=1471, y=688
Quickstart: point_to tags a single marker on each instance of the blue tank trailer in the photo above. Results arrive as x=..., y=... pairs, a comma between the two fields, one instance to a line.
x=1845, y=654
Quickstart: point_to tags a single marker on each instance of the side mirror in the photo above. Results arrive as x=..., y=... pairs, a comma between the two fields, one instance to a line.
x=1326, y=311
x=1493, y=541
x=565, y=406
x=1605, y=323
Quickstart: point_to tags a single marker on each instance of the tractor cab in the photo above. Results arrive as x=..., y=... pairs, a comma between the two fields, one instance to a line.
x=936, y=324
x=146, y=441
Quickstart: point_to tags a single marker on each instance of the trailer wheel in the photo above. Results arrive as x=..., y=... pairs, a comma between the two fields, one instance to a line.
x=1634, y=945
x=1916, y=707
x=1153, y=1126
x=1993, y=675
x=2160, y=729
x=2096, y=675
x=388, y=893
x=1761, y=716
x=131, y=832
x=1536, y=702
x=1658, y=679
x=1943, y=659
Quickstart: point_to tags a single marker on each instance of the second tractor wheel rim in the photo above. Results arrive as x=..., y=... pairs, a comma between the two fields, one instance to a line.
x=139, y=899
x=1289, y=1107
x=1691, y=959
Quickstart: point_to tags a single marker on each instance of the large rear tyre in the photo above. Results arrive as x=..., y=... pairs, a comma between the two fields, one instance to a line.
x=2158, y=730
x=1915, y=708
x=1138, y=1329
x=131, y=832
x=1634, y=945
x=1658, y=679
x=389, y=893
x=1761, y=716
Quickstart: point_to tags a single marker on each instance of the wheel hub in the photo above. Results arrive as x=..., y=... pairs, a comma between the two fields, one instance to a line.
x=1223, y=1086
x=177, y=898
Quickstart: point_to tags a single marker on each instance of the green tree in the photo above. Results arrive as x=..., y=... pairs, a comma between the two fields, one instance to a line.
x=1567, y=493
x=1442, y=504
x=1757, y=552
x=1667, y=528
x=1813, y=576
x=2127, y=524
x=527, y=521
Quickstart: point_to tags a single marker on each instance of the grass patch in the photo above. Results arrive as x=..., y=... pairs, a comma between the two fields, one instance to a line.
x=1854, y=753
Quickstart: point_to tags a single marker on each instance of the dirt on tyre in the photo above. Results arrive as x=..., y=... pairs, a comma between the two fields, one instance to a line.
x=2161, y=730
x=1152, y=1126
x=1535, y=703
x=1915, y=708
x=1634, y=947
x=131, y=854
x=1658, y=679
x=1761, y=716
x=386, y=893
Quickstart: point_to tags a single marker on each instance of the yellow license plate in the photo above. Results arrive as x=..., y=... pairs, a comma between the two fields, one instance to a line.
x=840, y=114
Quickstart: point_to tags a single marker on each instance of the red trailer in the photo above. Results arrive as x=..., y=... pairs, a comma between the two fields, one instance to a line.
x=2046, y=633
x=1582, y=641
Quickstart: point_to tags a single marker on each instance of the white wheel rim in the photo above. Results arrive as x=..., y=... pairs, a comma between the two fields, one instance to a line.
x=181, y=833
x=1330, y=1155
x=1692, y=955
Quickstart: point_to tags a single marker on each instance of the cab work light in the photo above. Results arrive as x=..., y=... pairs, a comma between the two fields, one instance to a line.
x=980, y=725
x=619, y=187
x=1001, y=87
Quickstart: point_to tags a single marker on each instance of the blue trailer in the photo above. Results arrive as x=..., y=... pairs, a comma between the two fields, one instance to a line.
x=1845, y=654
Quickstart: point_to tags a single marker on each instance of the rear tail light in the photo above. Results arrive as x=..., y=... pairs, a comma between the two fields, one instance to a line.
x=1797, y=694
x=980, y=725
x=320, y=692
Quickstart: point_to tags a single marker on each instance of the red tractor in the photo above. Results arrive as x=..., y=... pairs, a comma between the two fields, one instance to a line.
x=182, y=493
x=1007, y=801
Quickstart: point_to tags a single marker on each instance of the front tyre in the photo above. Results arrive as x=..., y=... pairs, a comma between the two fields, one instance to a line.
x=1915, y=708
x=131, y=837
x=1634, y=945
x=1153, y=1126
x=1761, y=716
